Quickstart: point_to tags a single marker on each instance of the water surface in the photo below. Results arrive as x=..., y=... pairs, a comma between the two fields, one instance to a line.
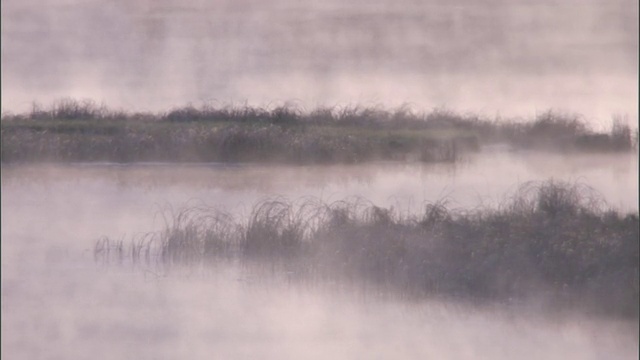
x=57, y=302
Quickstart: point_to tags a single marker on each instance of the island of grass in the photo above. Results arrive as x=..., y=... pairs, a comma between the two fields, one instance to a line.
x=81, y=131
x=555, y=244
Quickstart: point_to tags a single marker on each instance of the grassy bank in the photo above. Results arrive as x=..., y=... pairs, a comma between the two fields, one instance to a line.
x=552, y=242
x=82, y=131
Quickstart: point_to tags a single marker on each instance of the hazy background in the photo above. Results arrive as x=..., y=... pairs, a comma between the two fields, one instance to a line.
x=494, y=57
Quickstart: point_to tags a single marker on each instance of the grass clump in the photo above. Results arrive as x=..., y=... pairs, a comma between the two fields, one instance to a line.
x=553, y=131
x=553, y=241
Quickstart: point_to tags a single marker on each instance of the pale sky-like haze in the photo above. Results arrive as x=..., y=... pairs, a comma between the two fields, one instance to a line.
x=506, y=58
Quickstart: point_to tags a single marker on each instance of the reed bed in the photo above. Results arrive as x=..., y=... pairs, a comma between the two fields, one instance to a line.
x=553, y=241
x=83, y=131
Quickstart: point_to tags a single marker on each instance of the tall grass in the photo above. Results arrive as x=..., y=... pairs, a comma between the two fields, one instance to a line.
x=83, y=131
x=553, y=131
x=554, y=241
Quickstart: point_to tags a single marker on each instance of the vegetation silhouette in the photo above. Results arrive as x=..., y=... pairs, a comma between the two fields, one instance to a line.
x=551, y=241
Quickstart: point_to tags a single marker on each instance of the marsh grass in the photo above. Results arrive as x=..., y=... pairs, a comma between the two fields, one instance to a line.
x=554, y=131
x=553, y=241
x=83, y=131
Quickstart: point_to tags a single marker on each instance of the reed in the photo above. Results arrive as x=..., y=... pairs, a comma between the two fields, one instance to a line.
x=551, y=240
x=83, y=131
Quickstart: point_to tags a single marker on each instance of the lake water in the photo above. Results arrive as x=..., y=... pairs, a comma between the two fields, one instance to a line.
x=496, y=58
x=58, y=303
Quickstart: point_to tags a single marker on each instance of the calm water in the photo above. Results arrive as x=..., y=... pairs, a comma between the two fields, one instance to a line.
x=58, y=303
x=496, y=57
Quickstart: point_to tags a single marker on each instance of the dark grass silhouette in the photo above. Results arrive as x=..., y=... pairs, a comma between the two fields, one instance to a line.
x=553, y=241
x=83, y=131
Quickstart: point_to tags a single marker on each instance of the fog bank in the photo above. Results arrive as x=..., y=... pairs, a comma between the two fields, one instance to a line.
x=507, y=58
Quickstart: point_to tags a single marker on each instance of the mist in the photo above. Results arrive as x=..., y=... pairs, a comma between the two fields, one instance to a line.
x=503, y=60
x=57, y=301
x=497, y=58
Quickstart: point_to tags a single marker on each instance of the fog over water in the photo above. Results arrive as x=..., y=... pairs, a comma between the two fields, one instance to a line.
x=505, y=58
x=58, y=302
x=492, y=57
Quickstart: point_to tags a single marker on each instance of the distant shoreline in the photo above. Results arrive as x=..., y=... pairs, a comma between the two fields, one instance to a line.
x=81, y=131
